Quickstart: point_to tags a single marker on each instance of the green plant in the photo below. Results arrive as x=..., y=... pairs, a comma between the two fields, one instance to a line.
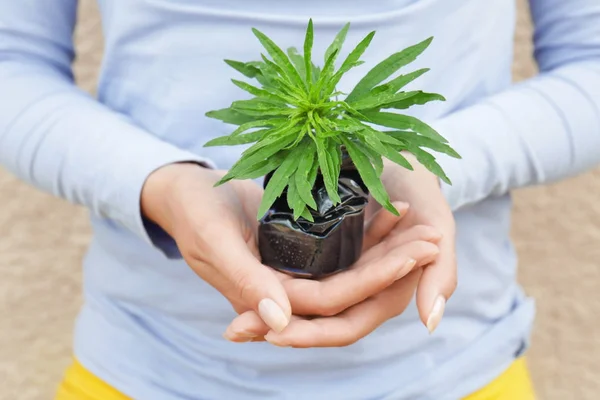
x=299, y=125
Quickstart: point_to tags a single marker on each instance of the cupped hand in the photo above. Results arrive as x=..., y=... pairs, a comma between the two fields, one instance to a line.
x=422, y=190
x=353, y=303
x=387, y=239
x=215, y=231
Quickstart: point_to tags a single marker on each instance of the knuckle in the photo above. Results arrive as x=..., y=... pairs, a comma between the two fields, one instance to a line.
x=425, y=232
x=245, y=286
x=328, y=307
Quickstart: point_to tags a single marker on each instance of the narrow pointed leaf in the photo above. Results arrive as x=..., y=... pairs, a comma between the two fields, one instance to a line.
x=279, y=180
x=298, y=62
x=351, y=61
x=230, y=116
x=400, y=121
x=429, y=162
x=259, y=152
x=382, y=99
x=337, y=43
x=279, y=57
x=419, y=99
x=258, y=92
x=230, y=140
x=386, y=68
x=261, y=123
x=417, y=140
x=302, y=177
x=399, y=82
x=264, y=167
x=244, y=68
x=326, y=168
x=308, y=44
x=369, y=176
x=387, y=151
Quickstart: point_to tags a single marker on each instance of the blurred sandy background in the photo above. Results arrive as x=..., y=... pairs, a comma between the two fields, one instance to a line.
x=42, y=241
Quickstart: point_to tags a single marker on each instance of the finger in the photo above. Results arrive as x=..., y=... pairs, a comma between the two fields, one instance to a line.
x=436, y=286
x=418, y=232
x=381, y=223
x=341, y=291
x=249, y=327
x=351, y=325
x=246, y=327
x=252, y=282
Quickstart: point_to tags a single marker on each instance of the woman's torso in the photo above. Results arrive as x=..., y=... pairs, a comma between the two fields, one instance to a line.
x=153, y=329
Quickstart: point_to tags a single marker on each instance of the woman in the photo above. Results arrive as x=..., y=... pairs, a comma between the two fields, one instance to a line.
x=171, y=255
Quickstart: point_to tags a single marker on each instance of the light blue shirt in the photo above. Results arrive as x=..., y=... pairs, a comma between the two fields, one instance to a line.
x=149, y=326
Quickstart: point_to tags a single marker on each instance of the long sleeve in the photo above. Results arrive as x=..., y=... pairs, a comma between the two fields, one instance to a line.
x=543, y=129
x=55, y=136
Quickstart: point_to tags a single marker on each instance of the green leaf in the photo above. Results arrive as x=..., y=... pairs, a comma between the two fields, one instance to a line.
x=259, y=152
x=419, y=98
x=279, y=180
x=400, y=121
x=337, y=43
x=302, y=176
x=260, y=92
x=261, y=123
x=386, y=150
x=380, y=100
x=369, y=175
x=335, y=161
x=244, y=68
x=399, y=82
x=308, y=44
x=417, y=140
x=375, y=157
x=266, y=75
x=279, y=57
x=326, y=170
x=351, y=61
x=230, y=116
x=298, y=61
x=429, y=162
x=386, y=68
x=231, y=140
x=296, y=203
x=307, y=215
x=260, y=107
x=262, y=168
x=323, y=77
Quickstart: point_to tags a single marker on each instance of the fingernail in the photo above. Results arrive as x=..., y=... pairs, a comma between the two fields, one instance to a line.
x=406, y=268
x=273, y=315
x=239, y=337
x=274, y=341
x=435, y=316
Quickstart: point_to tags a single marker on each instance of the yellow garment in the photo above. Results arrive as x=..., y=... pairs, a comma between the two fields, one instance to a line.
x=80, y=384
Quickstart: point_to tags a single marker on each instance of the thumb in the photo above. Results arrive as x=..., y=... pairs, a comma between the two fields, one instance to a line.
x=254, y=283
x=381, y=223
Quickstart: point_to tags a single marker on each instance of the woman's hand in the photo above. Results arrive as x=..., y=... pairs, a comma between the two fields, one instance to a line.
x=215, y=230
x=386, y=238
x=421, y=189
x=341, y=323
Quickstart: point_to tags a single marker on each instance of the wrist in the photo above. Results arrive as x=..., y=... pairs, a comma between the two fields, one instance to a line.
x=161, y=187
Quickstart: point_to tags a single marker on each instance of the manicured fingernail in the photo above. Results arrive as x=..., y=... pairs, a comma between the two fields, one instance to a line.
x=273, y=315
x=239, y=337
x=406, y=268
x=437, y=311
x=275, y=341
